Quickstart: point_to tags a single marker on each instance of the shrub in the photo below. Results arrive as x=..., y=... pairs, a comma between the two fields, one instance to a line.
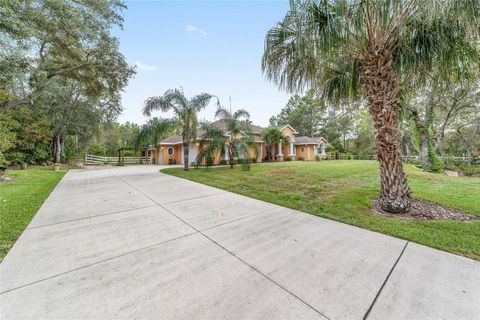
x=469, y=170
x=416, y=163
x=14, y=158
x=209, y=161
x=300, y=159
x=245, y=164
x=287, y=159
x=223, y=162
x=437, y=163
x=254, y=160
x=329, y=148
x=318, y=158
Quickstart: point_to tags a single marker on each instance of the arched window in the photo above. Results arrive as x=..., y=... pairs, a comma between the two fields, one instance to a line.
x=170, y=151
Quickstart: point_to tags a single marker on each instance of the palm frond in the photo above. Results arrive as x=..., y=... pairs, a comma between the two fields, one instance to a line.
x=153, y=132
x=212, y=142
x=171, y=99
x=200, y=101
x=223, y=113
x=241, y=113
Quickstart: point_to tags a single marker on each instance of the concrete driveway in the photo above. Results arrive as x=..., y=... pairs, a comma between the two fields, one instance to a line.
x=132, y=243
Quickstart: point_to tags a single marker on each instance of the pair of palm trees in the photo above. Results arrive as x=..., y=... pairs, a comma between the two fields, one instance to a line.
x=213, y=139
x=234, y=138
x=372, y=50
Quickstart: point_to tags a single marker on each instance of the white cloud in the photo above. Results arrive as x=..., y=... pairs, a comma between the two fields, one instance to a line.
x=144, y=67
x=194, y=29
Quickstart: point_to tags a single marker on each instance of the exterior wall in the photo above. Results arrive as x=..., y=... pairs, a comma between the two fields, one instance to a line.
x=288, y=133
x=176, y=154
x=302, y=151
x=216, y=159
x=286, y=150
x=157, y=156
x=251, y=152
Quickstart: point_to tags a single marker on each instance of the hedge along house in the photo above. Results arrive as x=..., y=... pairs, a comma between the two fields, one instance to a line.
x=170, y=150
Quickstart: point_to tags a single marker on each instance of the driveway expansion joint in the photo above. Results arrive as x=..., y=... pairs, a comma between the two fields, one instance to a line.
x=385, y=281
x=182, y=200
x=90, y=217
x=232, y=254
x=100, y=261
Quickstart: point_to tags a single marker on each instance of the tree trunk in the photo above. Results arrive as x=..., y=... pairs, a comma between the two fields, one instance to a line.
x=57, y=149
x=407, y=151
x=381, y=89
x=185, y=156
x=424, y=151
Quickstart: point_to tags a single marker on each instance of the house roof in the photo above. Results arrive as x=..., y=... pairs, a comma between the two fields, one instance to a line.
x=309, y=140
x=256, y=130
x=286, y=126
x=221, y=124
x=176, y=139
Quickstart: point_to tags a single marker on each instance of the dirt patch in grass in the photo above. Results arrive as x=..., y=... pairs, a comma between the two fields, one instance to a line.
x=425, y=210
x=281, y=171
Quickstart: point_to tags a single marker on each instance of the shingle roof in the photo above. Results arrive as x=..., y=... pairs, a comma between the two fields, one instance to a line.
x=221, y=124
x=172, y=139
x=308, y=140
x=256, y=130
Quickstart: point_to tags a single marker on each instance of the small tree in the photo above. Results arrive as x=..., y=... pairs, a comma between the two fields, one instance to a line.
x=272, y=136
x=152, y=132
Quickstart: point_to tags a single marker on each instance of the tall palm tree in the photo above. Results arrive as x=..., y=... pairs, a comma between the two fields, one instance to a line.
x=351, y=49
x=185, y=111
x=272, y=136
x=235, y=137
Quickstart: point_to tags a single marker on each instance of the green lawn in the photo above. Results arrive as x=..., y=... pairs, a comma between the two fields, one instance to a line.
x=343, y=191
x=20, y=200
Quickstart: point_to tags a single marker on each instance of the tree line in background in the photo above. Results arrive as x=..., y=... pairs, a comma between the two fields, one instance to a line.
x=435, y=126
x=61, y=76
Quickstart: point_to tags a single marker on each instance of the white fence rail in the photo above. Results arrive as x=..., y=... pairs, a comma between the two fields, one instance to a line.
x=94, y=159
x=405, y=158
x=456, y=159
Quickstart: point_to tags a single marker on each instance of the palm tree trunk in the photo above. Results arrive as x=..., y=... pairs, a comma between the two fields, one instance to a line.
x=381, y=89
x=185, y=156
x=230, y=156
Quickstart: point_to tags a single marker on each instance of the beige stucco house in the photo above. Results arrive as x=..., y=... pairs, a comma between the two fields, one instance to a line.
x=170, y=150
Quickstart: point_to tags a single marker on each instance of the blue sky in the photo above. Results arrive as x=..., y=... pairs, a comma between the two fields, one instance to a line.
x=203, y=46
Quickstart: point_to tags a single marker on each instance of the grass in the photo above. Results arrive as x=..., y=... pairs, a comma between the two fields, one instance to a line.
x=343, y=191
x=20, y=199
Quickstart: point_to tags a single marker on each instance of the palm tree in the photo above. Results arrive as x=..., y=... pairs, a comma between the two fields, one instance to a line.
x=235, y=136
x=185, y=111
x=272, y=136
x=351, y=49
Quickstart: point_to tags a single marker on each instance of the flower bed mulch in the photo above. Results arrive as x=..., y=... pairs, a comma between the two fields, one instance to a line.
x=425, y=210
